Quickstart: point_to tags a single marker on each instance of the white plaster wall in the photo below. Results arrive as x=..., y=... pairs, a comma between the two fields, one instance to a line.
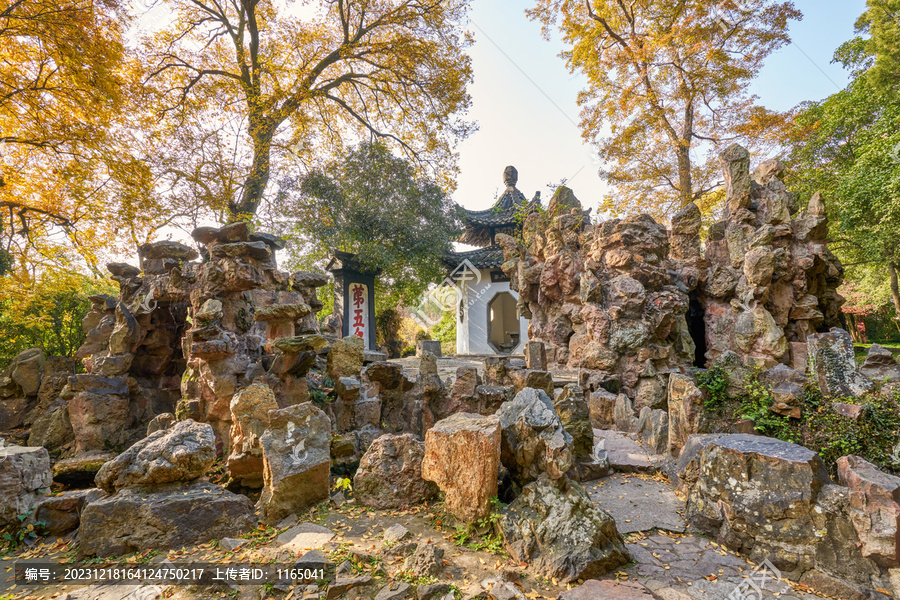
x=472, y=334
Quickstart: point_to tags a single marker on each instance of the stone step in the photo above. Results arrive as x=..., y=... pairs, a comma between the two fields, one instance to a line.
x=625, y=454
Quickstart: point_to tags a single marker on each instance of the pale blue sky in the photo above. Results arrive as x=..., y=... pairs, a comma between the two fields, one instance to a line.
x=528, y=117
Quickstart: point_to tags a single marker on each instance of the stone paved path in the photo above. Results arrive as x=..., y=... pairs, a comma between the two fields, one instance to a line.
x=638, y=504
x=668, y=564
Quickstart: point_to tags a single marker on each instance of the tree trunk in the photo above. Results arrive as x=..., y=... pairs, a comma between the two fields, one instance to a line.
x=255, y=184
x=895, y=289
x=685, y=183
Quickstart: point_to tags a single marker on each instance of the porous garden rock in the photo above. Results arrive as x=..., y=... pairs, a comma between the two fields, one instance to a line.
x=345, y=358
x=61, y=514
x=390, y=473
x=250, y=417
x=297, y=460
x=462, y=456
x=746, y=484
x=534, y=440
x=880, y=364
x=182, y=453
x=554, y=526
x=687, y=415
x=874, y=508
x=166, y=517
x=426, y=561
x=832, y=366
x=24, y=480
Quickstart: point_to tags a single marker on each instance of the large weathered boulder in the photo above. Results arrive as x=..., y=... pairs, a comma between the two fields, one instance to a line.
x=758, y=494
x=832, y=366
x=99, y=411
x=163, y=518
x=60, y=514
x=687, y=415
x=249, y=417
x=345, y=358
x=297, y=460
x=534, y=440
x=874, y=508
x=390, y=473
x=462, y=456
x=880, y=364
x=27, y=369
x=24, y=480
x=556, y=527
x=180, y=454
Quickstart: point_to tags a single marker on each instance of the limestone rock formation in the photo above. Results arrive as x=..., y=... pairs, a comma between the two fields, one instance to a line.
x=880, y=365
x=60, y=514
x=163, y=517
x=687, y=415
x=770, y=279
x=390, y=473
x=24, y=481
x=183, y=453
x=534, y=441
x=746, y=483
x=297, y=460
x=604, y=298
x=462, y=456
x=874, y=509
x=832, y=366
x=249, y=417
x=554, y=526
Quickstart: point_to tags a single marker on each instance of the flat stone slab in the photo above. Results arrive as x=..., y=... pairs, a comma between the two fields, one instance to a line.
x=607, y=589
x=305, y=536
x=626, y=455
x=638, y=504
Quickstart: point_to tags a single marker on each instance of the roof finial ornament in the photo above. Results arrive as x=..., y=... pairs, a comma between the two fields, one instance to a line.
x=510, y=176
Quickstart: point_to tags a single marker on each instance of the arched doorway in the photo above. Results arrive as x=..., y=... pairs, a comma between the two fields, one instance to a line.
x=503, y=323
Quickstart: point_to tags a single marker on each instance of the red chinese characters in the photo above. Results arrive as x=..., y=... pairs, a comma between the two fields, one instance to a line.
x=358, y=292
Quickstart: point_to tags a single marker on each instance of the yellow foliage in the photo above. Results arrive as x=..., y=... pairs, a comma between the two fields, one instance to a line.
x=669, y=81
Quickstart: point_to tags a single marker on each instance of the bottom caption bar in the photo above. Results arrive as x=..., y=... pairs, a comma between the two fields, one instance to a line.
x=168, y=574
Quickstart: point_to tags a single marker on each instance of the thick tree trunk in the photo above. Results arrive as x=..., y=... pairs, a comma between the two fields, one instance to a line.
x=895, y=289
x=685, y=183
x=255, y=184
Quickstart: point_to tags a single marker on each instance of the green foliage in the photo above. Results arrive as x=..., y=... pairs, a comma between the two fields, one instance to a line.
x=422, y=334
x=378, y=207
x=444, y=330
x=46, y=313
x=484, y=534
x=757, y=405
x=848, y=147
x=408, y=351
x=715, y=382
x=17, y=534
x=875, y=436
x=344, y=484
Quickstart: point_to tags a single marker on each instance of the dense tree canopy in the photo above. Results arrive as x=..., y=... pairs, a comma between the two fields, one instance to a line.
x=244, y=83
x=373, y=204
x=848, y=146
x=64, y=88
x=667, y=83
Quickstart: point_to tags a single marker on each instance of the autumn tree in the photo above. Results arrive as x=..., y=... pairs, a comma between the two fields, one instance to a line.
x=668, y=85
x=375, y=205
x=258, y=81
x=69, y=188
